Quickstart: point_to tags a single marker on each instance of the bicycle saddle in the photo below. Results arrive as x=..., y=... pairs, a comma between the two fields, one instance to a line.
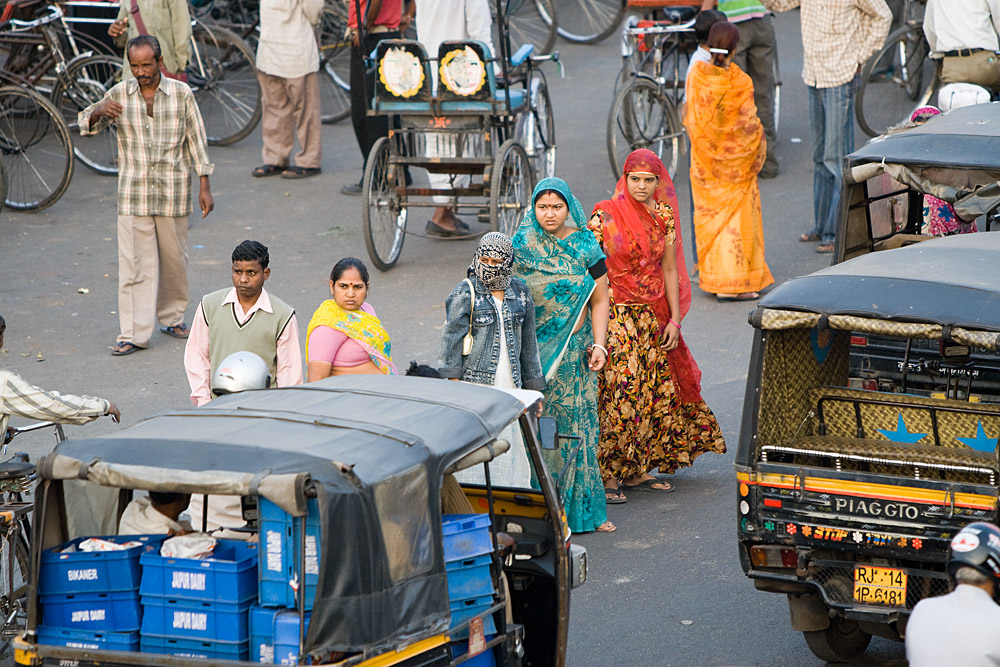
x=13, y=468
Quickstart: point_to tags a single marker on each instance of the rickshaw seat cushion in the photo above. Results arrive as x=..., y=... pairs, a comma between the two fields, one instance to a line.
x=522, y=54
x=518, y=97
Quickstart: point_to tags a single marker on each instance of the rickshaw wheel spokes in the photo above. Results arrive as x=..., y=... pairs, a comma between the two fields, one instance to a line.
x=383, y=216
x=511, y=184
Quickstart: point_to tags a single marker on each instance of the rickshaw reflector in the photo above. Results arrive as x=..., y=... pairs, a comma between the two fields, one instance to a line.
x=772, y=502
x=859, y=340
x=770, y=556
x=744, y=489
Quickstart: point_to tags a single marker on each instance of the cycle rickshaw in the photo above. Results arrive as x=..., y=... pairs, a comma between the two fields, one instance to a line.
x=499, y=131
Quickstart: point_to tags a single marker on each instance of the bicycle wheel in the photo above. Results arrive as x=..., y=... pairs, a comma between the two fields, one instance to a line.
x=588, y=21
x=85, y=82
x=643, y=116
x=334, y=65
x=528, y=25
x=223, y=77
x=536, y=131
x=36, y=149
x=893, y=81
x=383, y=215
x=511, y=183
x=13, y=610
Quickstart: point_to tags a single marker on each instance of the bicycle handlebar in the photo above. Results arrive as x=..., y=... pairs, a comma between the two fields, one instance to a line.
x=53, y=14
x=14, y=431
x=660, y=28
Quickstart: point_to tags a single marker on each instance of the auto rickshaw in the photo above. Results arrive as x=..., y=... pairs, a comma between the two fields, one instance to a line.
x=368, y=460
x=849, y=484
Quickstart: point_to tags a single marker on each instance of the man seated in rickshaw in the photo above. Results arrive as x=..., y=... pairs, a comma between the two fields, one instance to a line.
x=156, y=514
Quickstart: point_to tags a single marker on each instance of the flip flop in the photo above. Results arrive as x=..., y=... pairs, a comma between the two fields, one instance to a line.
x=620, y=500
x=809, y=237
x=606, y=527
x=267, y=170
x=124, y=349
x=647, y=485
x=296, y=171
x=177, y=331
x=824, y=248
x=745, y=296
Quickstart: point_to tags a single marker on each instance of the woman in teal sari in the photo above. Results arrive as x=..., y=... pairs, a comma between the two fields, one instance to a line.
x=562, y=263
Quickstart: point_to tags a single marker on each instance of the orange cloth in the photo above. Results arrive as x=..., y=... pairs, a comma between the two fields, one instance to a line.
x=727, y=151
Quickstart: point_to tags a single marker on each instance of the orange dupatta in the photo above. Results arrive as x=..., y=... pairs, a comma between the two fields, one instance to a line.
x=727, y=151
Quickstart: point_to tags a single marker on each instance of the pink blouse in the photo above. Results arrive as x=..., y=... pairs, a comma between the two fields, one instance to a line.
x=335, y=347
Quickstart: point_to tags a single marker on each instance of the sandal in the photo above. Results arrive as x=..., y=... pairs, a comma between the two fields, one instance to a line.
x=300, y=172
x=123, y=349
x=809, y=237
x=647, y=485
x=177, y=331
x=614, y=496
x=744, y=296
x=824, y=248
x=267, y=170
x=606, y=527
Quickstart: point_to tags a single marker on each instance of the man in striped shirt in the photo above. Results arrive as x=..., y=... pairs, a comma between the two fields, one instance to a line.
x=161, y=137
x=20, y=399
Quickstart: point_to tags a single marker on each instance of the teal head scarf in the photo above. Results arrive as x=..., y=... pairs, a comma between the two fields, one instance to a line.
x=557, y=272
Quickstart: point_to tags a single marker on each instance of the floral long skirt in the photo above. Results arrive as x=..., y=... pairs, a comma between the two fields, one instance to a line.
x=571, y=397
x=643, y=423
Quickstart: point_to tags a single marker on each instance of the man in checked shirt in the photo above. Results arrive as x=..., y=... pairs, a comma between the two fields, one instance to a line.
x=838, y=36
x=21, y=399
x=161, y=137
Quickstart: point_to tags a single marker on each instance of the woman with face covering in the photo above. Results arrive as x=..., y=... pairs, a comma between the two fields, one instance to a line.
x=497, y=310
x=344, y=336
x=562, y=263
x=651, y=411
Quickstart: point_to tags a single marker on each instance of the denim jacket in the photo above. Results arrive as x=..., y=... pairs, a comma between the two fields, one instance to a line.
x=481, y=364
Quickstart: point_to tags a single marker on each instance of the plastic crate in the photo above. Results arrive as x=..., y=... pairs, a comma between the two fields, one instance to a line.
x=194, y=619
x=93, y=612
x=286, y=637
x=463, y=610
x=484, y=659
x=229, y=576
x=94, y=571
x=280, y=535
x=104, y=641
x=192, y=648
x=465, y=536
x=469, y=578
x=262, y=634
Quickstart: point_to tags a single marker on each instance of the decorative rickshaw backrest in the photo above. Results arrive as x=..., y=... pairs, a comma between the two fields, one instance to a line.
x=403, y=76
x=465, y=72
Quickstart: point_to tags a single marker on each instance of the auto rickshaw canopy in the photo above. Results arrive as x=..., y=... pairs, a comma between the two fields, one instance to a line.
x=373, y=451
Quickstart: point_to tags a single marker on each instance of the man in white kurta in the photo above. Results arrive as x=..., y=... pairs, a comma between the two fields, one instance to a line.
x=287, y=62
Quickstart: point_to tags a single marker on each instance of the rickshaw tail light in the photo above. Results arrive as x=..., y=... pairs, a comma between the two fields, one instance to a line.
x=744, y=489
x=770, y=556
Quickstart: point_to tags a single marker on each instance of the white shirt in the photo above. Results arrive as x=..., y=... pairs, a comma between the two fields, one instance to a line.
x=700, y=55
x=961, y=629
x=951, y=25
x=446, y=20
x=141, y=518
x=287, y=46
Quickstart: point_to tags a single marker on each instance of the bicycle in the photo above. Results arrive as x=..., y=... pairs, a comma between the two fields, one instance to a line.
x=17, y=477
x=531, y=22
x=898, y=79
x=587, y=21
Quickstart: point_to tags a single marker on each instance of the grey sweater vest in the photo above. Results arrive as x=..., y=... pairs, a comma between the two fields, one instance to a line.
x=259, y=334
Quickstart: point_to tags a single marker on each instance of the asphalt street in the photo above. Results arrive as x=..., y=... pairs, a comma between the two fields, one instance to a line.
x=666, y=589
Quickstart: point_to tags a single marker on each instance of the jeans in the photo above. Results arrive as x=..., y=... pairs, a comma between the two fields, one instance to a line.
x=831, y=115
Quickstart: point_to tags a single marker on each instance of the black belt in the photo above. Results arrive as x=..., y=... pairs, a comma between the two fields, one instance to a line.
x=961, y=53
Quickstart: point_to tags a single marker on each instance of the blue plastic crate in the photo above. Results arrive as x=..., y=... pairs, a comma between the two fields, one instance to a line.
x=229, y=576
x=469, y=578
x=93, y=612
x=194, y=619
x=463, y=610
x=104, y=641
x=262, y=634
x=280, y=535
x=465, y=536
x=192, y=648
x=286, y=637
x=484, y=659
x=94, y=571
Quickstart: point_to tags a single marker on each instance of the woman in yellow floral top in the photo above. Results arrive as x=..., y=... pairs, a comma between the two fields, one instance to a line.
x=651, y=411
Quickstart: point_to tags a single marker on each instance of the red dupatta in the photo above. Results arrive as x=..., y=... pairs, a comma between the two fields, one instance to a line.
x=634, y=242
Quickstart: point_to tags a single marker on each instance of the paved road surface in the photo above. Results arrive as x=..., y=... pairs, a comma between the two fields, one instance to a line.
x=673, y=559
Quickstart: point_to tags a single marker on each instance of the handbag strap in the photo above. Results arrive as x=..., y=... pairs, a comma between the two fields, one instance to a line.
x=137, y=17
x=472, y=300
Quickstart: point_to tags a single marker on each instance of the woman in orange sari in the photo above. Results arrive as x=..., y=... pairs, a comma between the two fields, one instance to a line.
x=727, y=151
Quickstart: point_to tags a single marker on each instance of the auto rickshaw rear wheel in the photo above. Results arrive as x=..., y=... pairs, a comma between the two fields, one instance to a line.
x=842, y=641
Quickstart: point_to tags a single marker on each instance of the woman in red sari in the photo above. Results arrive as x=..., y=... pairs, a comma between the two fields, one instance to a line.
x=727, y=150
x=651, y=411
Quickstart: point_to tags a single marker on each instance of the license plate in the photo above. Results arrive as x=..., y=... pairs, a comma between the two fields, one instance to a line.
x=883, y=586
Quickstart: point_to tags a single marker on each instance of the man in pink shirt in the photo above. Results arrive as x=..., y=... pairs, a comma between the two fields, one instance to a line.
x=243, y=317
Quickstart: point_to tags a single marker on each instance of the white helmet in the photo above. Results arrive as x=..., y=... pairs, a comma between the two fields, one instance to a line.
x=955, y=95
x=240, y=371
